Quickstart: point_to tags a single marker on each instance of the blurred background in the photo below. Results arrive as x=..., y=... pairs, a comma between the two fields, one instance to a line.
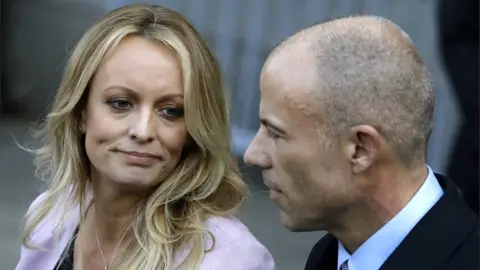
x=37, y=36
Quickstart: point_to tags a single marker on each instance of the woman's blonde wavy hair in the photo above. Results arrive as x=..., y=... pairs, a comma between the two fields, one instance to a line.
x=206, y=181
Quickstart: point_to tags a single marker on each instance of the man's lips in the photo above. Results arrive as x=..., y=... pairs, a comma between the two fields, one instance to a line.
x=271, y=186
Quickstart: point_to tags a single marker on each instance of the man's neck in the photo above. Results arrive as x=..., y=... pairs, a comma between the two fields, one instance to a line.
x=381, y=202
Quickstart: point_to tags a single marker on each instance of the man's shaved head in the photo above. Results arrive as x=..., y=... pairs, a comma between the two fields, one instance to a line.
x=346, y=109
x=369, y=72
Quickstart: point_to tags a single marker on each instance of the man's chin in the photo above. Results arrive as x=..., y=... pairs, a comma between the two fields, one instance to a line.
x=295, y=224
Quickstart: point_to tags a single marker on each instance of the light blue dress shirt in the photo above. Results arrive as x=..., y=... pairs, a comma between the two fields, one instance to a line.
x=375, y=251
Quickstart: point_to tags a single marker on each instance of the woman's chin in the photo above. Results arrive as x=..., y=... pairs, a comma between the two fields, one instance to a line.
x=134, y=184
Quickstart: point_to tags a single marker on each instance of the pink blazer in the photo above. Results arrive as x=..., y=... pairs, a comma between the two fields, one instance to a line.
x=235, y=247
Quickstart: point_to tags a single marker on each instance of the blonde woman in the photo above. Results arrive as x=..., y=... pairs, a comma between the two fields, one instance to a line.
x=136, y=156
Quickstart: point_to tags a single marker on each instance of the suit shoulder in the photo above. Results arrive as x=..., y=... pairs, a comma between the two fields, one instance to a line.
x=322, y=244
x=324, y=254
x=466, y=256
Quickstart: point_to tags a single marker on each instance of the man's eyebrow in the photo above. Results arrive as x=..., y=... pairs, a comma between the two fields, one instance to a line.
x=270, y=125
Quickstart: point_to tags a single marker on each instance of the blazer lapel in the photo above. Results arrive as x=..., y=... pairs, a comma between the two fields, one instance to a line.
x=324, y=255
x=437, y=235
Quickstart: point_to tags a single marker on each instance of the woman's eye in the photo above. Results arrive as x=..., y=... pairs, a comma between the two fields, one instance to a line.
x=120, y=104
x=172, y=112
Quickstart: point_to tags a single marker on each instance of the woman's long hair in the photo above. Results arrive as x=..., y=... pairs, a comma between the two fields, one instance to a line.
x=206, y=181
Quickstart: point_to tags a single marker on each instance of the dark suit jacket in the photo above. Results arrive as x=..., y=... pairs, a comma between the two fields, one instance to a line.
x=445, y=238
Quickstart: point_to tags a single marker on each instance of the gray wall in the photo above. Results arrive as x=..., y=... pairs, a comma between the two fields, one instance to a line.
x=39, y=36
x=241, y=33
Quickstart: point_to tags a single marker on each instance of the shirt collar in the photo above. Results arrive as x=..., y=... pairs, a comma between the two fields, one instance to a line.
x=375, y=251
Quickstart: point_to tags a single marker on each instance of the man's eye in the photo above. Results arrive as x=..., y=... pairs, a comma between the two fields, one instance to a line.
x=120, y=104
x=272, y=134
x=172, y=112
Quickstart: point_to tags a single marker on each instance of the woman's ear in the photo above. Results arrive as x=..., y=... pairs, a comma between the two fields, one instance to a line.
x=189, y=141
x=82, y=125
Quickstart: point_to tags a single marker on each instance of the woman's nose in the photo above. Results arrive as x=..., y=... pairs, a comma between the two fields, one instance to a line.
x=143, y=126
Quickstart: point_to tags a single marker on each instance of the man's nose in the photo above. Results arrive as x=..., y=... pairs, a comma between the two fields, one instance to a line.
x=256, y=156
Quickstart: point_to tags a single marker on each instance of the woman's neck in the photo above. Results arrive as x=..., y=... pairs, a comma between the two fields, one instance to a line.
x=113, y=211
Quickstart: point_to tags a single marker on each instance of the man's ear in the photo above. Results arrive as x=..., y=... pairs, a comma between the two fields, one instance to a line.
x=362, y=146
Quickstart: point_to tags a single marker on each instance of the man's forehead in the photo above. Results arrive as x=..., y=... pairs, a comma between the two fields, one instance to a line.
x=289, y=103
x=294, y=114
x=289, y=82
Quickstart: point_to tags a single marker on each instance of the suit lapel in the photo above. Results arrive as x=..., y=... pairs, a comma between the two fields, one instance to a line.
x=324, y=255
x=437, y=235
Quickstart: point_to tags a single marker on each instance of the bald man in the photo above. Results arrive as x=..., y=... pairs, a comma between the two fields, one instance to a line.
x=346, y=111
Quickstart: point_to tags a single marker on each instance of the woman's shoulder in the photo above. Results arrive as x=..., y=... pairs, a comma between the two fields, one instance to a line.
x=48, y=248
x=42, y=228
x=40, y=198
x=234, y=243
x=228, y=229
x=58, y=218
